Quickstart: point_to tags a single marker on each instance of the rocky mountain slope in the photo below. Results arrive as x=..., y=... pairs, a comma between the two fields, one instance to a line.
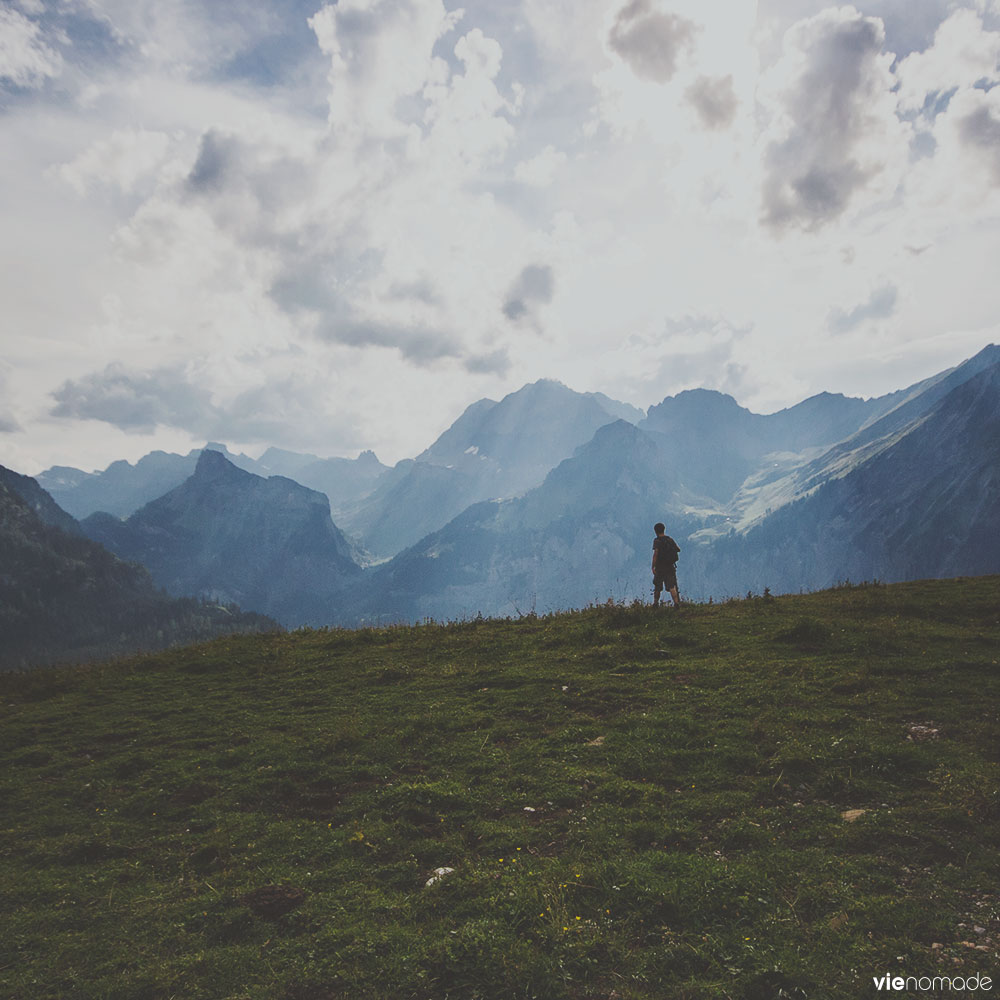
x=926, y=505
x=64, y=598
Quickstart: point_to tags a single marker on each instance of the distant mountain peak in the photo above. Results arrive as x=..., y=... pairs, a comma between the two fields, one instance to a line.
x=214, y=465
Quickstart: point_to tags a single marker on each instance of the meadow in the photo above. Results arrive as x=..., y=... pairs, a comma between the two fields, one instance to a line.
x=773, y=797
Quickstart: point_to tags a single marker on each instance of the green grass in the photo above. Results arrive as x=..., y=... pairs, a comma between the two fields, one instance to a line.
x=636, y=803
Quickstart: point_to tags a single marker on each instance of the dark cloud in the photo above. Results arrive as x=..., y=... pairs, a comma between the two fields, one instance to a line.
x=309, y=283
x=8, y=425
x=281, y=410
x=416, y=343
x=812, y=174
x=534, y=286
x=135, y=401
x=715, y=101
x=981, y=131
x=495, y=363
x=420, y=291
x=216, y=156
x=650, y=40
x=881, y=304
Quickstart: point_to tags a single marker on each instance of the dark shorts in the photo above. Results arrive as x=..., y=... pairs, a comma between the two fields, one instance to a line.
x=666, y=578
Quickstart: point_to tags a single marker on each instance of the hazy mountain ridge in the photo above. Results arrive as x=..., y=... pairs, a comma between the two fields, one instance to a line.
x=755, y=500
x=493, y=450
x=585, y=533
x=577, y=538
x=122, y=488
x=267, y=544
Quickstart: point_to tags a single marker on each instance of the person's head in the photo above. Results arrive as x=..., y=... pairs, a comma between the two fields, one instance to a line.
x=659, y=528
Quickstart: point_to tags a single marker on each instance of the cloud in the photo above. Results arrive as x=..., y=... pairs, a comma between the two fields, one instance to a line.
x=217, y=155
x=492, y=363
x=124, y=160
x=9, y=423
x=651, y=41
x=881, y=304
x=280, y=408
x=962, y=54
x=960, y=182
x=979, y=130
x=835, y=134
x=26, y=58
x=715, y=101
x=534, y=286
x=135, y=401
x=540, y=170
x=421, y=345
x=697, y=351
x=380, y=52
x=289, y=409
x=402, y=318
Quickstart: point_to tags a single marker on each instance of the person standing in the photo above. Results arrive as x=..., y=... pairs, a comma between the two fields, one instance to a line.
x=665, y=552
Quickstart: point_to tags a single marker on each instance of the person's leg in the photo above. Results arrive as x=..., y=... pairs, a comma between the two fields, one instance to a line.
x=675, y=596
x=657, y=589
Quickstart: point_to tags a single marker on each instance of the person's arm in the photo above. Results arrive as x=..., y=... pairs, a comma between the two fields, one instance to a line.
x=653, y=567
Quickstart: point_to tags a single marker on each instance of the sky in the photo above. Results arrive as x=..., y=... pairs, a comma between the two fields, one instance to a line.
x=331, y=227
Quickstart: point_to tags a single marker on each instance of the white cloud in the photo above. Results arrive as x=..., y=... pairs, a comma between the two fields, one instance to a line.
x=961, y=181
x=962, y=54
x=123, y=160
x=26, y=57
x=540, y=170
x=380, y=52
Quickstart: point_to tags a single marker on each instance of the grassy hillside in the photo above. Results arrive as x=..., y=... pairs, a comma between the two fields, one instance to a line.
x=766, y=798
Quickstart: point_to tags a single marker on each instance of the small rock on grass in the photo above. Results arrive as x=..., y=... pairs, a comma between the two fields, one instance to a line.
x=439, y=874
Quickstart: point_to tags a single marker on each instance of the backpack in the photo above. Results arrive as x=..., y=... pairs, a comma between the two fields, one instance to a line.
x=670, y=551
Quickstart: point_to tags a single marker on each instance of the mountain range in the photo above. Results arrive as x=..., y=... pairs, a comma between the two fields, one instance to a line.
x=235, y=537
x=64, y=598
x=778, y=501
x=546, y=499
